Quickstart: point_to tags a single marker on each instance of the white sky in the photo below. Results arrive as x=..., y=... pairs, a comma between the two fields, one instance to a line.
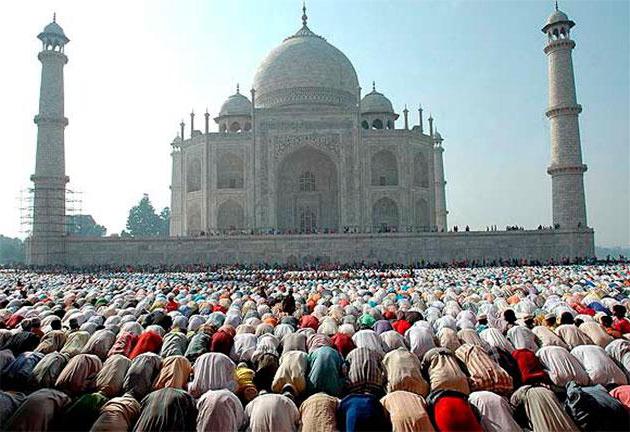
x=136, y=68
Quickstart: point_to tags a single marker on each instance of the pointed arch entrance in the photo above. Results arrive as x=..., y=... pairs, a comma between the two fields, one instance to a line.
x=307, y=192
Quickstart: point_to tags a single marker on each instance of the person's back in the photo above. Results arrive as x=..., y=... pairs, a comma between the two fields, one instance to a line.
x=362, y=412
x=272, y=412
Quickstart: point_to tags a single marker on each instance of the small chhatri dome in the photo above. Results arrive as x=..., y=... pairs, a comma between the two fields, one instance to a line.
x=557, y=17
x=53, y=34
x=237, y=104
x=376, y=103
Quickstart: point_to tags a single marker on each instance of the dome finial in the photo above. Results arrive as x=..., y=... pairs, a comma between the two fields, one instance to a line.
x=304, y=17
x=238, y=89
x=556, y=4
x=373, y=85
x=54, y=17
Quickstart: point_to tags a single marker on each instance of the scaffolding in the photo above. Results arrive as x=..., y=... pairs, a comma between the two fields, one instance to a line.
x=55, y=214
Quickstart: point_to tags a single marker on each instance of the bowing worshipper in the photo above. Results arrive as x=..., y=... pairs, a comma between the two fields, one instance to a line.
x=223, y=340
x=245, y=345
x=6, y=358
x=594, y=409
x=495, y=339
x=47, y=370
x=75, y=343
x=407, y=412
x=539, y=410
x=523, y=338
x=124, y=344
x=622, y=394
x=547, y=337
x=9, y=403
x=100, y=343
x=325, y=372
x=21, y=341
x=482, y=323
x=365, y=372
x=174, y=373
x=569, y=333
x=292, y=370
x=212, y=371
x=471, y=337
x=293, y=341
x=362, y=412
x=148, y=342
x=561, y=366
x=111, y=377
x=199, y=345
x=484, y=374
x=496, y=412
x=403, y=371
x=265, y=365
x=79, y=375
x=245, y=388
x=220, y=410
x=531, y=371
x=619, y=351
x=607, y=324
x=420, y=338
x=596, y=333
x=447, y=338
x=444, y=371
x=167, y=409
x=141, y=374
x=368, y=338
x=272, y=412
x=620, y=322
x=318, y=413
x=51, y=342
x=17, y=374
x=38, y=412
x=174, y=343
x=451, y=411
x=81, y=415
x=401, y=325
x=600, y=368
x=343, y=343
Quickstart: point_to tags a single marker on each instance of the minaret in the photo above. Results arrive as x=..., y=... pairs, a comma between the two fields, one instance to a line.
x=566, y=168
x=440, y=182
x=49, y=198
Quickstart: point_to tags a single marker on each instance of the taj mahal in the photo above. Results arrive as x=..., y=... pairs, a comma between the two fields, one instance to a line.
x=307, y=154
x=305, y=167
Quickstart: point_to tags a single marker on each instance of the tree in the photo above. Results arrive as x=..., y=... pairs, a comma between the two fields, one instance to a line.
x=85, y=226
x=11, y=250
x=143, y=221
x=165, y=222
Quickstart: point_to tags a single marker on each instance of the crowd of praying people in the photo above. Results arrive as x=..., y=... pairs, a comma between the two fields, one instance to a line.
x=495, y=349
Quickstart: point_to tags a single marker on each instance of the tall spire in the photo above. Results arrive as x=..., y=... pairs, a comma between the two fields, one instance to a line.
x=556, y=4
x=304, y=16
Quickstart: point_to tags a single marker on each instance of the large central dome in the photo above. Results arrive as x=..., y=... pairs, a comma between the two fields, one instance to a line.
x=305, y=70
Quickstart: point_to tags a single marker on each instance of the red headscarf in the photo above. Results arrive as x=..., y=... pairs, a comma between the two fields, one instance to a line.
x=222, y=341
x=309, y=321
x=401, y=326
x=452, y=412
x=147, y=342
x=343, y=343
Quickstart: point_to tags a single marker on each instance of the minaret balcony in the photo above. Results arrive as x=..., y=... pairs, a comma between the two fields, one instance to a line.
x=563, y=110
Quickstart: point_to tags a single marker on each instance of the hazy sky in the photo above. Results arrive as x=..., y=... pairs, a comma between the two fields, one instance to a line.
x=138, y=67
